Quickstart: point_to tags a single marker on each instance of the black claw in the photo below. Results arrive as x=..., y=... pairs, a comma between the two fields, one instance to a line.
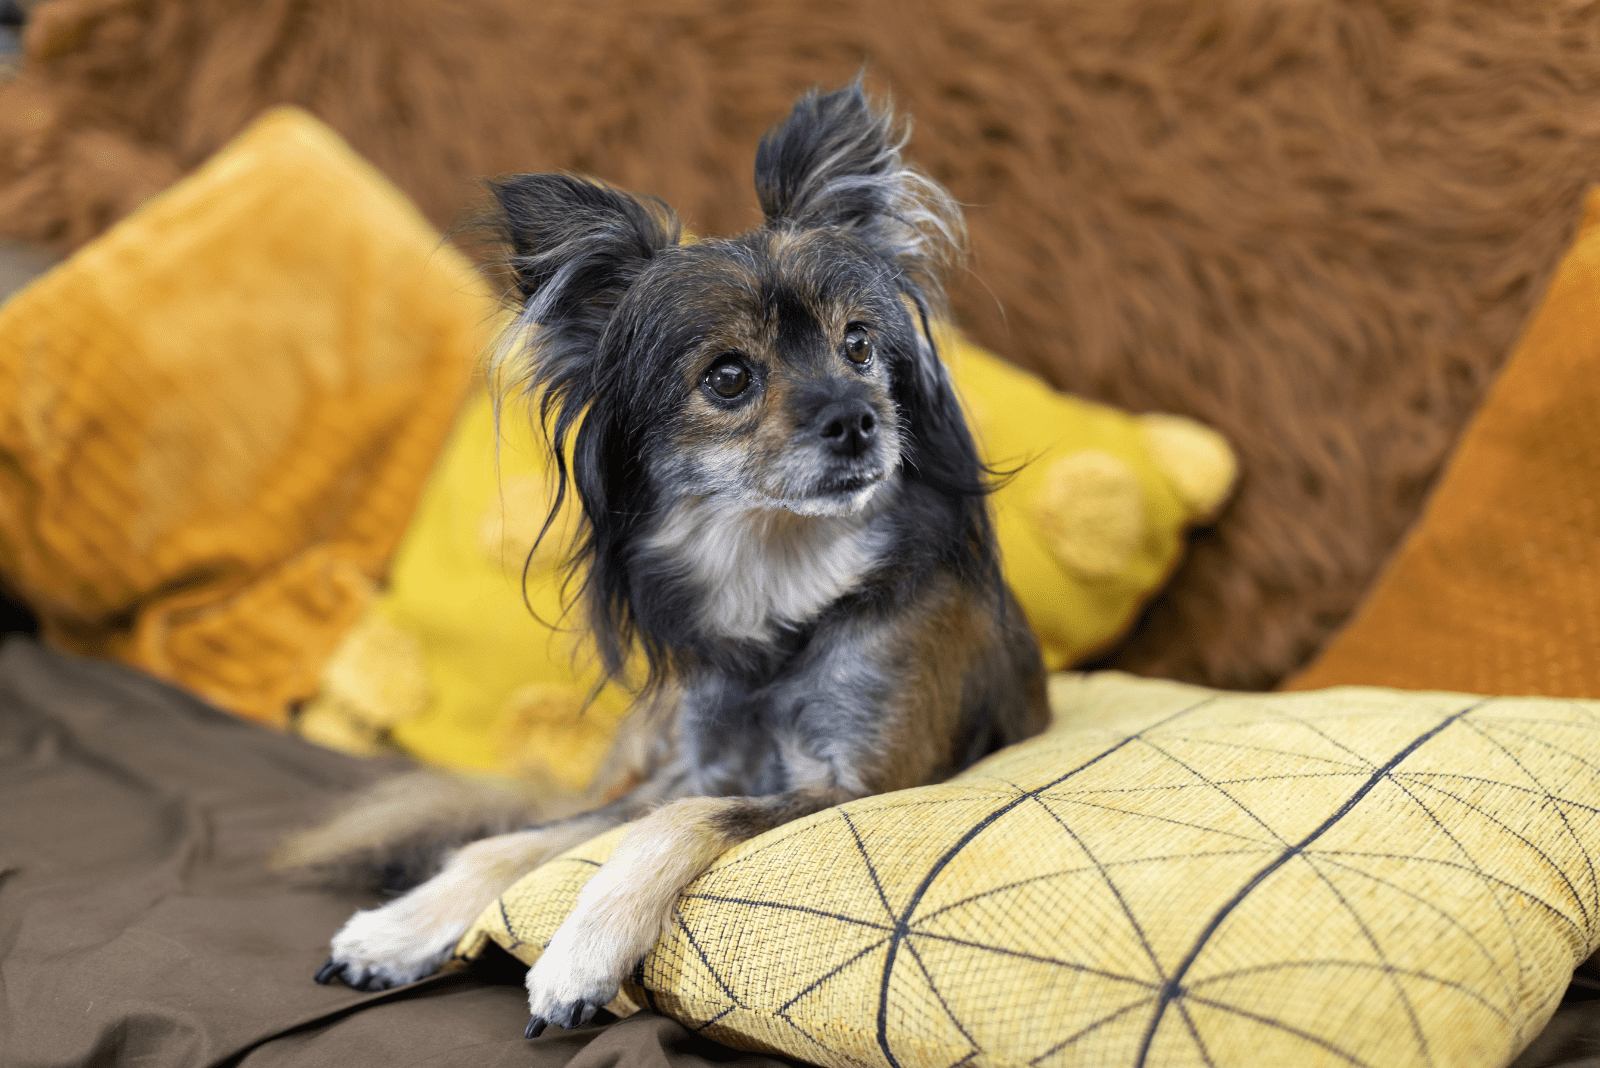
x=328, y=972
x=575, y=1017
x=535, y=1028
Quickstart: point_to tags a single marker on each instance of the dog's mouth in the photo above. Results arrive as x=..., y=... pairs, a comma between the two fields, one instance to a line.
x=833, y=487
x=843, y=494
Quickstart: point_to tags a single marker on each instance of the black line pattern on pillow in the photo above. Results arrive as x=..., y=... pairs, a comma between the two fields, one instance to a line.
x=1164, y=995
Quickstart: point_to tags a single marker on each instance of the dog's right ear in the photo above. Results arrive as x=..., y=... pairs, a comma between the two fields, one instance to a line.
x=576, y=246
x=835, y=163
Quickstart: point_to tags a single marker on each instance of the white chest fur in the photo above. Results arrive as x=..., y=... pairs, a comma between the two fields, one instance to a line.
x=760, y=568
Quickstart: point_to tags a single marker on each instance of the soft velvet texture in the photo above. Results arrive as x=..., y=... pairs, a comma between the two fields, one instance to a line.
x=1315, y=226
x=216, y=420
x=1497, y=588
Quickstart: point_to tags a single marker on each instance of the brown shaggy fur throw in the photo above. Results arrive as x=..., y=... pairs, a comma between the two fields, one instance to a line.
x=1314, y=224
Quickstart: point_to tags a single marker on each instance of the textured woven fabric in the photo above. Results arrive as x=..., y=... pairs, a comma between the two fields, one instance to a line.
x=216, y=420
x=1171, y=876
x=1497, y=588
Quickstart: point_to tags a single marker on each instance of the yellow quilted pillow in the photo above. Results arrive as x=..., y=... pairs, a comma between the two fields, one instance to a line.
x=1171, y=876
x=451, y=665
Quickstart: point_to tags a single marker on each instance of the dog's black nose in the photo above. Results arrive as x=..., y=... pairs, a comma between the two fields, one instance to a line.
x=847, y=427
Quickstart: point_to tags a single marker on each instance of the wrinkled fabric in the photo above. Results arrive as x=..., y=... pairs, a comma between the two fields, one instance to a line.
x=138, y=924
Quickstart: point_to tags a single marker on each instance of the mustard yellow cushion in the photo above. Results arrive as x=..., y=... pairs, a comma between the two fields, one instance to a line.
x=1171, y=876
x=1091, y=522
x=451, y=665
x=217, y=419
x=1495, y=587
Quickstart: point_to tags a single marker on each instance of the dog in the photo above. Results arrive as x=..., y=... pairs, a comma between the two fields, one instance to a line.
x=785, y=526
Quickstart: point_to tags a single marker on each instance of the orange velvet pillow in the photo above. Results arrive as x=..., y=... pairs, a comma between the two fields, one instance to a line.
x=1497, y=588
x=215, y=420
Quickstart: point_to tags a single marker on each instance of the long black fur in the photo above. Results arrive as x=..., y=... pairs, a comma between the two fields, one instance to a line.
x=597, y=273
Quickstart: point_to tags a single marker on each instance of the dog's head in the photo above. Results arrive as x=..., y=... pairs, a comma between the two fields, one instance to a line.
x=787, y=368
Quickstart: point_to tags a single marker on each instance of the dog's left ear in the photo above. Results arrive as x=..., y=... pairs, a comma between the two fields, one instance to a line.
x=835, y=163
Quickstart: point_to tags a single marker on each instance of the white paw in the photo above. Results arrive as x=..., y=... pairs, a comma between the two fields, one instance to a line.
x=382, y=948
x=567, y=985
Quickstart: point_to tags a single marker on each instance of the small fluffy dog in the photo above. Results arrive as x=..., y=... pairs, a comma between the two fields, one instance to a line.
x=785, y=521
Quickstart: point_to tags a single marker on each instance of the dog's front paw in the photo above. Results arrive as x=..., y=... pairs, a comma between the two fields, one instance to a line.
x=378, y=949
x=566, y=987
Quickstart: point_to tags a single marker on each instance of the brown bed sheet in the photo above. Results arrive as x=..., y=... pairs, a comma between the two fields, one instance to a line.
x=138, y=924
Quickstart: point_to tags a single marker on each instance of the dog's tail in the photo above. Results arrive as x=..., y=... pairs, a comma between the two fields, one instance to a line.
x=399, y=832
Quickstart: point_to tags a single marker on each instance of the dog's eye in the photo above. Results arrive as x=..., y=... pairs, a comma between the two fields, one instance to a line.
x=728, y=378
x=857, y=345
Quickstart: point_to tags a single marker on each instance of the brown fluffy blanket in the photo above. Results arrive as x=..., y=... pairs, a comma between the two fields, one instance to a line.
x=1316, y=225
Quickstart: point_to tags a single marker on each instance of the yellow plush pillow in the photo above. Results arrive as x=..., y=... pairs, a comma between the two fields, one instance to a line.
x=1171, y=876
x=451, y=665
x=1091, y=522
